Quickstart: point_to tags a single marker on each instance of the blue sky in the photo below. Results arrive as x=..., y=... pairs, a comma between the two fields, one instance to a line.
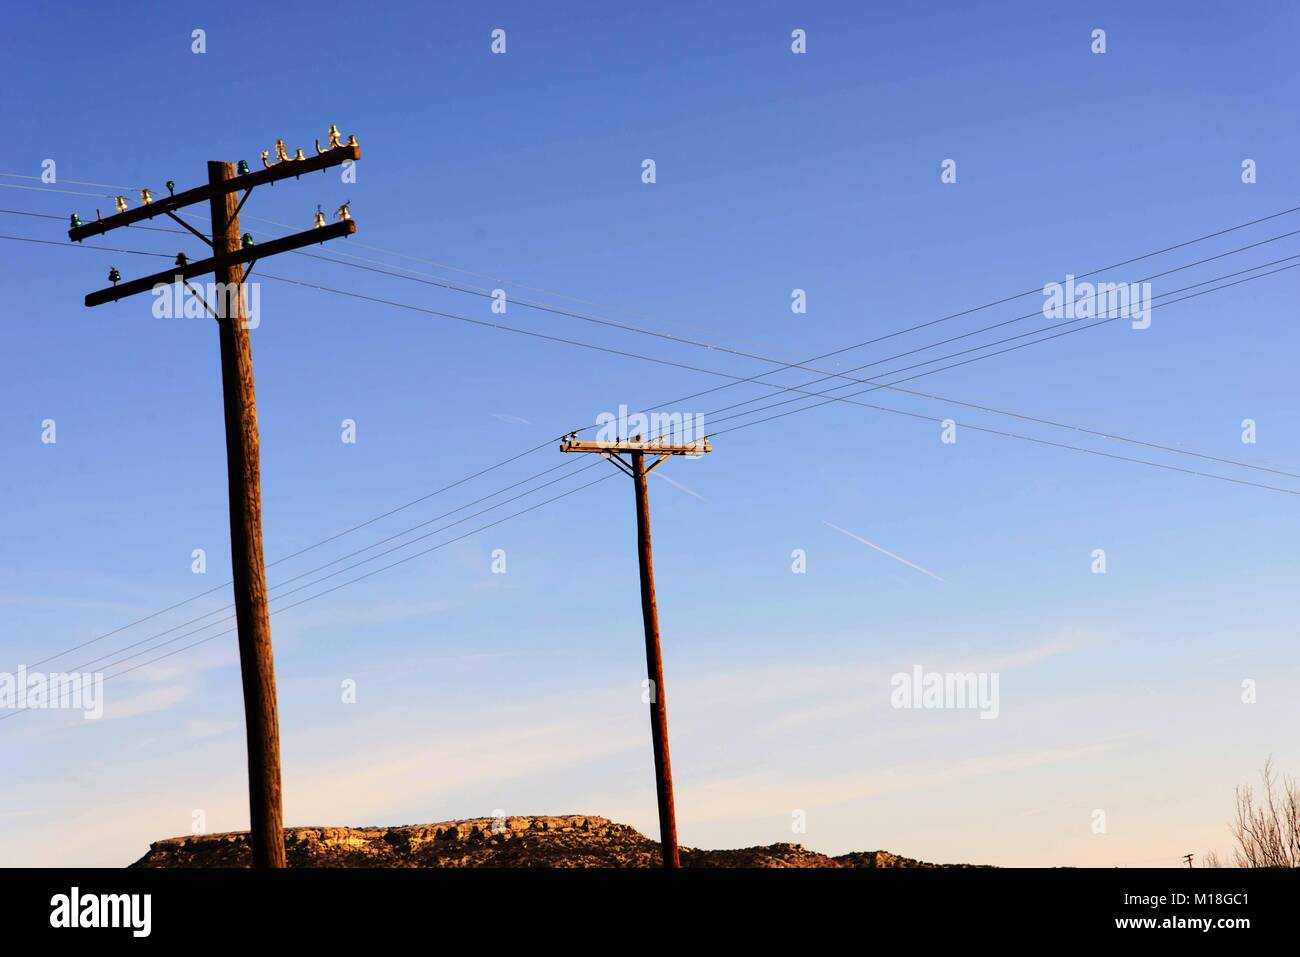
x=775, y=171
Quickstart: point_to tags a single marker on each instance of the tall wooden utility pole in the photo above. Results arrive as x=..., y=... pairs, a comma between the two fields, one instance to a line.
x=243, y=472
x=230, y=251
x=637, y=450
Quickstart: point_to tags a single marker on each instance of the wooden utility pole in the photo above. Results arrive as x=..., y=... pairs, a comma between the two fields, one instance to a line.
x=654, y=661
x=243, y=470
x=230, y=251
x=649, y=611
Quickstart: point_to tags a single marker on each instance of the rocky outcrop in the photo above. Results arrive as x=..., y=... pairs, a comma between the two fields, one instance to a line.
x=573, y=840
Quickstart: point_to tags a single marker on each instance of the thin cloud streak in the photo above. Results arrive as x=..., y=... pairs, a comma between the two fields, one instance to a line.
x=883, y=551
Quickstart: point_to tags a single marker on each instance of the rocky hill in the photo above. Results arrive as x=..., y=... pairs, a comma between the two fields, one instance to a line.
x=574, y=840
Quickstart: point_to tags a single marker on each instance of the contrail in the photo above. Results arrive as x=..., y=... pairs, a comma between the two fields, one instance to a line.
x=681, y=486
x=883, y=551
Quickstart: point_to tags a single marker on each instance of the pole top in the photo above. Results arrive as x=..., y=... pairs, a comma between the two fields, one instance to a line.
x=658, y=446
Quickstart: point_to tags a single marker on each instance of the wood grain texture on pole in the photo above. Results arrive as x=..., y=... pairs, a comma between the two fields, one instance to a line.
x=243, y=463
x=655, y=668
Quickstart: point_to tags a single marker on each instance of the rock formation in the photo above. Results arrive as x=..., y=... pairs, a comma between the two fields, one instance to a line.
x=573, y=840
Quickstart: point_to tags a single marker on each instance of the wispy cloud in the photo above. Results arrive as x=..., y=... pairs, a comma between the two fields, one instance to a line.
x=510, y=419
x=1027, y=656
x=200, y=728
x=760, y=795
x=147, y=702
x=884, y=551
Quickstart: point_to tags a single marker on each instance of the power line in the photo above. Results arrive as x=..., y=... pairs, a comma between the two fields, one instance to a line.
x=717, y=347
x=846, y=399
x=738, y=379
x=63, y=219
x=828, y=375
x=1029, y=438
x=1103, y=435
x=876, y=384
x=51, y=189
x=345, y=584
x=358, y=243
x=957, y=338
x=578, y=343
x=781, y=363
x=107, y=249
x=981, y=408
x=978, y=358
x=795, y=389
x=389, y=551
x=798, y=389
x=997, y=302
x=734, y=428
x=75, y=182
x=316, y=545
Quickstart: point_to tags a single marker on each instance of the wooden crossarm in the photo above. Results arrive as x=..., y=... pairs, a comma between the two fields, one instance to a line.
x=651, y=446
x=204, y=193
x=242, y=255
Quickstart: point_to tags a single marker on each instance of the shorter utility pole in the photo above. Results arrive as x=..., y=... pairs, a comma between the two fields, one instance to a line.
x=1188, y=859
x=637, y=449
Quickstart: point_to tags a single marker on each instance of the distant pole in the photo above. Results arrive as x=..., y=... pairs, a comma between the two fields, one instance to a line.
x=655, y=668
x=1188, y=859
x=636, y=449
x=243, y=468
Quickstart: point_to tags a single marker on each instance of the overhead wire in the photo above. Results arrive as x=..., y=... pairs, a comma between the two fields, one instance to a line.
x=845, y=375
x=838, y=375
